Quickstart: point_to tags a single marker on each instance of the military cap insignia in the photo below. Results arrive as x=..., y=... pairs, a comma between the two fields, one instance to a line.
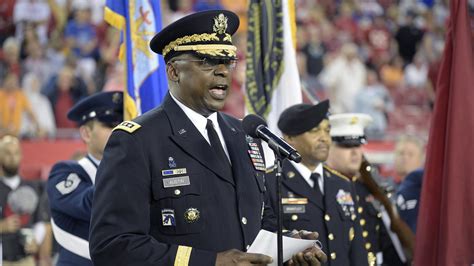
x=167, y=216
x=354, y=120
x=191, y=215
x=128, y=126
x=220, y=24
x=117, y=97
x=69, y=185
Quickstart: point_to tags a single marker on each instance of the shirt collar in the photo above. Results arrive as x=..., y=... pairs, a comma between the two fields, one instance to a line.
x=196, y=118
x=94, y=160
x=12, y=182
x=306, y=173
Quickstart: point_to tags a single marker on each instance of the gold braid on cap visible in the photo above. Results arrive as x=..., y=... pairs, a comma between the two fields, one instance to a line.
x=204, y=37
x=210, y=49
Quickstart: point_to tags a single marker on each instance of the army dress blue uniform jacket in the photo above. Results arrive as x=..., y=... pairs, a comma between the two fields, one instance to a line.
x=70, y=191
x=162, y=197
x=333, y=215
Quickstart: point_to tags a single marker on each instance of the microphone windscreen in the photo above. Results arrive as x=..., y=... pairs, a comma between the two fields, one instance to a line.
x=251, y=122
x=23, y=200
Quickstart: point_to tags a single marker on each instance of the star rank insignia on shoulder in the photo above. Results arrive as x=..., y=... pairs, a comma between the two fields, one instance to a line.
x=128, y=126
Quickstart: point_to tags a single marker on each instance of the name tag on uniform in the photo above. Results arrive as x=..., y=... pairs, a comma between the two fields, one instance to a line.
x=179, y=171
x=294, y=208
x=176, y=181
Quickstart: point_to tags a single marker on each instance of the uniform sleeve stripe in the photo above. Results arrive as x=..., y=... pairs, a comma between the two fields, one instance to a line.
x=71, y=242
x=182, y=256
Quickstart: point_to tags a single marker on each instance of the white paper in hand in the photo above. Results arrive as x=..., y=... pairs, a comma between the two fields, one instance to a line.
x=266, y=243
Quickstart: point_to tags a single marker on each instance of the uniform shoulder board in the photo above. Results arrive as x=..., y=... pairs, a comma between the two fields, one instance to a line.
x=336, y=173
x=128, y=126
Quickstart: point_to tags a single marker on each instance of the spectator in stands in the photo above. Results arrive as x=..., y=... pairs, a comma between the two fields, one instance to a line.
x=41, y=108
x=392, y=73
x=408, y=38
x=32, y=12
x=81, y=38
x=343, y=78
x=63, y=91
x=10, y=58
x=416, y=73
x=7, y=27
x=20, y=226
x=36, y=61
x=375, y=101
x=13, y=105
x=409, y=156
x=202, y=5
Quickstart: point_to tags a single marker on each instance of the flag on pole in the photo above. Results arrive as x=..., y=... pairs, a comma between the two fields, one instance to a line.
x=272, y=79
x=146, y=84
x=445, y=228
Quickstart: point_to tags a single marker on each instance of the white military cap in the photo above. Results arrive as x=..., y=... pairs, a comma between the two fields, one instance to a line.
x=348, y=129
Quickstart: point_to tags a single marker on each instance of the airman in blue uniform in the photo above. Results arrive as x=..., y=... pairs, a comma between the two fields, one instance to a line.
x=314, y=196
x=70, y=185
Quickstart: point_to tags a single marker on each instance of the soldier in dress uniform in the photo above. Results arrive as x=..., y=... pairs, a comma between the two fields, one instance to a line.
x=71, y=183
x=346, y=157
x=182, y=184
x=314, y=196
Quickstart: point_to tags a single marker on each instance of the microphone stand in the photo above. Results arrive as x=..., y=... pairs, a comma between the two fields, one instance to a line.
x=278, y=162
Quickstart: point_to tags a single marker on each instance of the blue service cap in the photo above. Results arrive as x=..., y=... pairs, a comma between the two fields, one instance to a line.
x=206, y=34
x=107, y=107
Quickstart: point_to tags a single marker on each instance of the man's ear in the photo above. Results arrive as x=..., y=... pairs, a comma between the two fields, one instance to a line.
x=172, y=72
x=85, y=132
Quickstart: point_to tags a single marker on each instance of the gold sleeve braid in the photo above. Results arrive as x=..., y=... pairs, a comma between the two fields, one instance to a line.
x=183, y=254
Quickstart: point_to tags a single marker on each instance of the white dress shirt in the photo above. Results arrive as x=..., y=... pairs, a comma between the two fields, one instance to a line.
x=306, y=174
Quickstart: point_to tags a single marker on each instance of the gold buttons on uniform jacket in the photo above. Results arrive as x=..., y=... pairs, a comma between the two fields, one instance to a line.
x=331, y=237
x=327, y=217
x=365, y=234
x=362, y=222
x=290, y=174
x=351, y=234
x=244, y=220
x=353, y=217
x=294, y=217
x=177, y=192
x=333, y=255
x=379, y=215
x=368, y=246
x=377, y=227
x=360, y=210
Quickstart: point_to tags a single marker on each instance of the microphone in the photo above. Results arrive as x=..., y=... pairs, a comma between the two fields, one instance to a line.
x=256, y=127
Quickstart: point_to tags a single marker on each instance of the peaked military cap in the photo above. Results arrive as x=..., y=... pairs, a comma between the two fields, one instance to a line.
x=299, y=118
x=107, y=107
x=348, y=129
x=206, y=34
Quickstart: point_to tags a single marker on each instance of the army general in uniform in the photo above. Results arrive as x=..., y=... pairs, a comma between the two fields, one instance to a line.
x=314, y=196
x=177, y=185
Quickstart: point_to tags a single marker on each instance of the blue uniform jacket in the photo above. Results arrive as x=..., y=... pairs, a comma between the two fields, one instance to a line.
x=333, y=216
x=70, y=192
x=408, y=198
x=163, y=198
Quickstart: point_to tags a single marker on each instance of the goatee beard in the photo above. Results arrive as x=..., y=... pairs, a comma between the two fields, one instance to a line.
x=10, y=171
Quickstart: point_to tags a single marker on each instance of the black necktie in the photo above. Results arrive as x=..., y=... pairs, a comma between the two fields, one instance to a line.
x=315, y=177
x=216, y=145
